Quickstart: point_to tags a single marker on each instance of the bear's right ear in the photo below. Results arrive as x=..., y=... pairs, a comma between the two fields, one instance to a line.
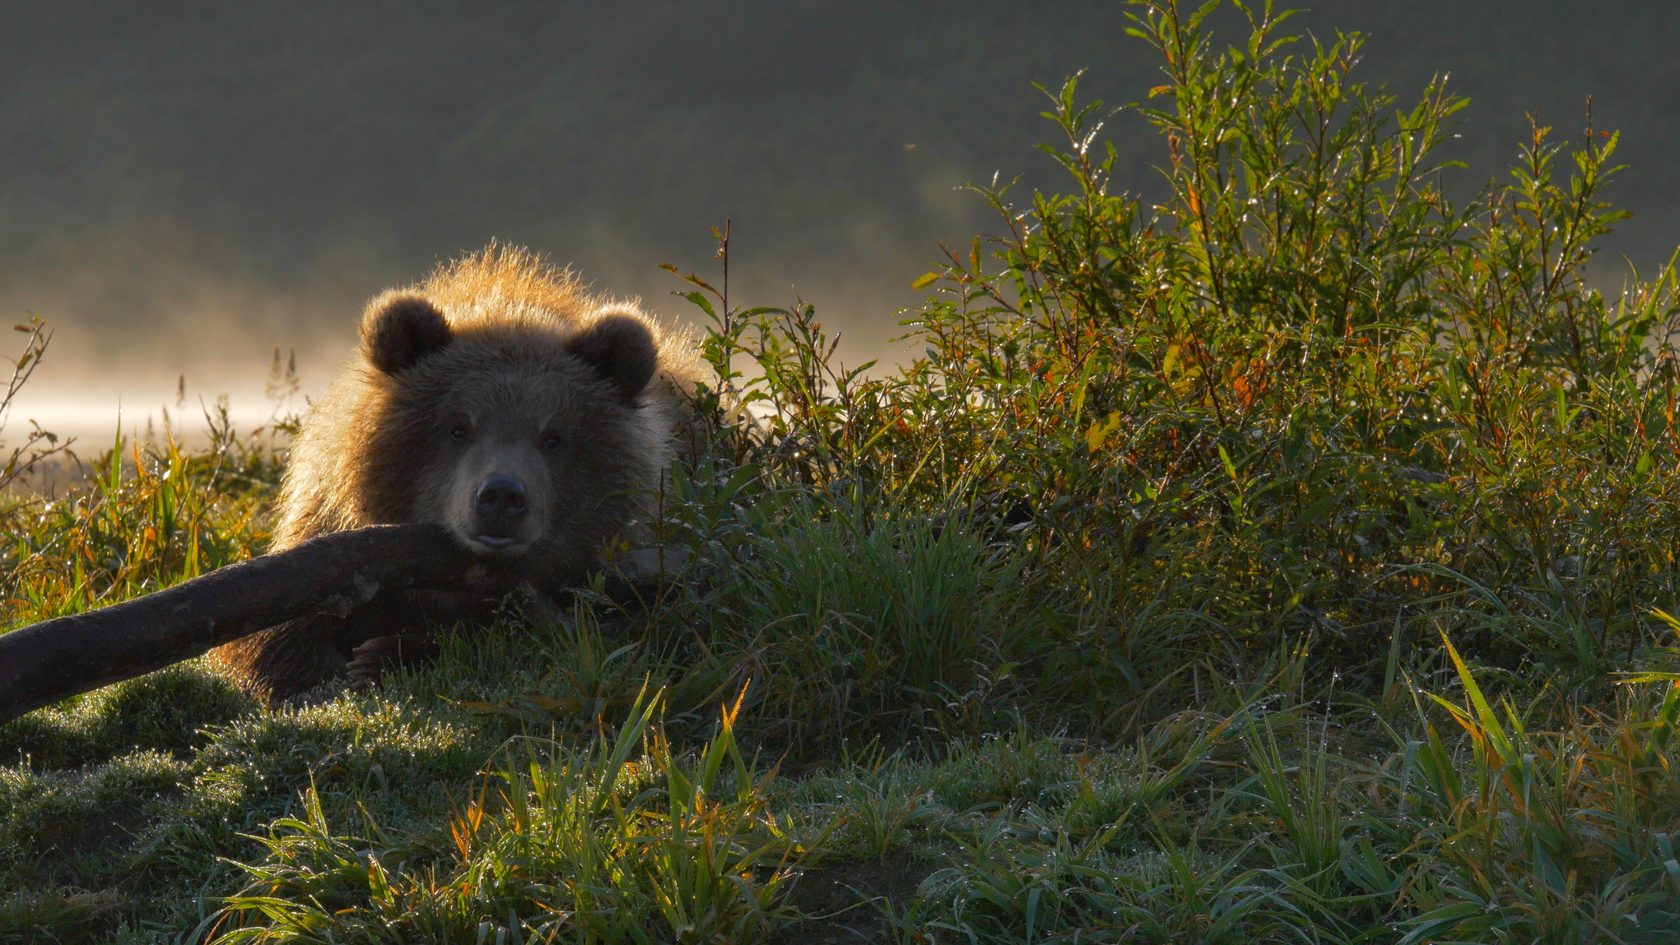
x=399, y=328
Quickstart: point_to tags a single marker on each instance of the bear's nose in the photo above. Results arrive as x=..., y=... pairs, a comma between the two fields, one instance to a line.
x=501, y=500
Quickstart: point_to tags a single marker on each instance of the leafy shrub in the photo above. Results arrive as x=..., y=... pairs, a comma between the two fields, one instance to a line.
x=1304, y=396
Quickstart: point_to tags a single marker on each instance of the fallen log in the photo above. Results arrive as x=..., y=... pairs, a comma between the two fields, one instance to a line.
x=45, y=662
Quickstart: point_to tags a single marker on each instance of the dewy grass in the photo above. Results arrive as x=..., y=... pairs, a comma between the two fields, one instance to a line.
x=1560, y=836
x=879, y=625
x=623, y=842
x=1284, y=559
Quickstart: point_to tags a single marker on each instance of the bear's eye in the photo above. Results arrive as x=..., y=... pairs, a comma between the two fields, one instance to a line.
x=551, y=442
x=459, y=433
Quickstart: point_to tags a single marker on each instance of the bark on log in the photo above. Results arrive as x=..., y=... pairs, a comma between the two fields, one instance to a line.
x=49, y=661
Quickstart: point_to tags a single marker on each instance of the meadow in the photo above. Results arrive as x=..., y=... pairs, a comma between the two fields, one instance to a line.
x=1291, y=560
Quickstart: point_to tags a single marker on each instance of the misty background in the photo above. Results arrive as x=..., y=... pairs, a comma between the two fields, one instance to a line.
x=187, y=186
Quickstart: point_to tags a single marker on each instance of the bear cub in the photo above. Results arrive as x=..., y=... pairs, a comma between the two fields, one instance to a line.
x=499, y=400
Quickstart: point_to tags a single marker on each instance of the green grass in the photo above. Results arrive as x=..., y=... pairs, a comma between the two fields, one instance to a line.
x=1288, y=559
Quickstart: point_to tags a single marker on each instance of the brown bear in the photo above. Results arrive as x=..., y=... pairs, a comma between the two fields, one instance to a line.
x=500, y=400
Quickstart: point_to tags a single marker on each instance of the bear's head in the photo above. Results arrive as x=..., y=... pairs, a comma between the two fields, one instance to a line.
x=525, y=436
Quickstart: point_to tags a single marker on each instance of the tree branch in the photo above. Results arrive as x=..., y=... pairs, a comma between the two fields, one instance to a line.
x=49, y=661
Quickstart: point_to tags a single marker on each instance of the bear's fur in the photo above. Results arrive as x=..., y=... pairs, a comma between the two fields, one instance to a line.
x=500, y=400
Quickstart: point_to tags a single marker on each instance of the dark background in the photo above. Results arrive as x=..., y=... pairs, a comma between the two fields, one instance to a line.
x=185, y=187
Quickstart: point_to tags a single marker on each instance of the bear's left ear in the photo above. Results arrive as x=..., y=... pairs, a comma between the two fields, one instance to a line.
x=620, y=349
x=399, y=328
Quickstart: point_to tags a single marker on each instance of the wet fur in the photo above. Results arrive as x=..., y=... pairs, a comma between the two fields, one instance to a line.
x=513, y=351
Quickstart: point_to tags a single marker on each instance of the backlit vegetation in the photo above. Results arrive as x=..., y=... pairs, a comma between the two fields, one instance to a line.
x=1287, y=560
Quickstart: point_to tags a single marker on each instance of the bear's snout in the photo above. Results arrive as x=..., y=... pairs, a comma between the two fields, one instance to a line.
x=500, y=507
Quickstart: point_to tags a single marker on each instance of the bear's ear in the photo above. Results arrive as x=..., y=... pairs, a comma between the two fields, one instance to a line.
x=620, y=349
x=399, y=328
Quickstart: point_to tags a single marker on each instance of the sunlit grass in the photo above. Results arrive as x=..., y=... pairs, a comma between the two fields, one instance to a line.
x=1290, y=561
